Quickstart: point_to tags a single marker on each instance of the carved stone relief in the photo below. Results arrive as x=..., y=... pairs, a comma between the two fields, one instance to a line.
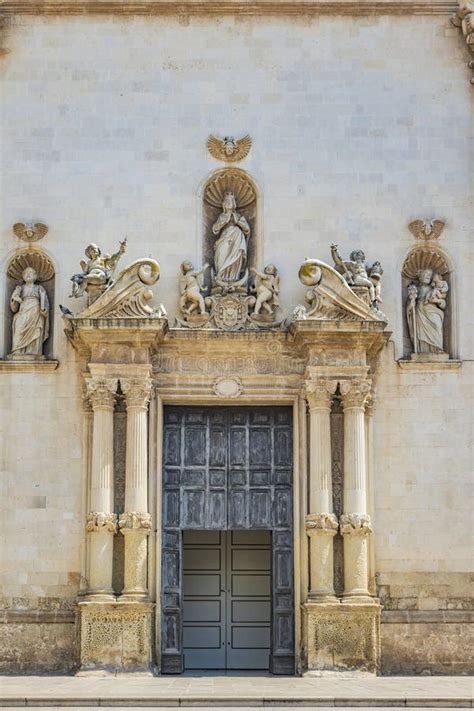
x=30, y=232
x=464, y=19
x=426, y=229
x=229, y=149
x=227, y=387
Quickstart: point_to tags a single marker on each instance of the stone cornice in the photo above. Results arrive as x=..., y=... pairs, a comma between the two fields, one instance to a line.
x=228, y=7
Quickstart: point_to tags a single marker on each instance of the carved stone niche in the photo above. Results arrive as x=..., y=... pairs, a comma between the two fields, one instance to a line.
x=241, y=185
x=46, y=278
x=427, y=258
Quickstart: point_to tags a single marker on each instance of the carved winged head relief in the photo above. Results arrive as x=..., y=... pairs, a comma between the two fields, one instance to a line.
x=426, y=229
x=30, y=232
x=229, y=149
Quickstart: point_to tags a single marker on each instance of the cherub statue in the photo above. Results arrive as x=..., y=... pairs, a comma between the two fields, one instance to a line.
x=357, y=273
x=97, y=270
x=267, y=288
x=190, y=286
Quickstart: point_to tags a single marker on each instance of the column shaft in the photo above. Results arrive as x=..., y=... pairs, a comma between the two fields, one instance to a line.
x=355, y=522
x=321, y=524
x=101, y=520
x=135, y=522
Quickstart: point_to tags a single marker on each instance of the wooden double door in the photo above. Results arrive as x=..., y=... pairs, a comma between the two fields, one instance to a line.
x=227, y=474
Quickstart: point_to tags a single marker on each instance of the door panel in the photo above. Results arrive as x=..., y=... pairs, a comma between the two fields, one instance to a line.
x=204, y=630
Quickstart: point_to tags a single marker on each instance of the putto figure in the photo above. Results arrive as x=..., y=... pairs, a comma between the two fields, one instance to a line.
x=97, y=270
x=191, y=286
x=230, y=250
x=30, y=328
x=356, y=272
x=267, y=288
x=426, y=305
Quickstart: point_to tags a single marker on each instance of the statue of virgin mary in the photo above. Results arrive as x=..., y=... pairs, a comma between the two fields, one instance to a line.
x=230, y=250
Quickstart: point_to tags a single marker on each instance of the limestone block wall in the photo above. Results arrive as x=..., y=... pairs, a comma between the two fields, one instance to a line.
x=359, y=125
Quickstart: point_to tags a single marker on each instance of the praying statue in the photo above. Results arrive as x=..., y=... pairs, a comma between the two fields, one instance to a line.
x=230, y=249
x=426, y=305
x=97, y=270
x=30, y=327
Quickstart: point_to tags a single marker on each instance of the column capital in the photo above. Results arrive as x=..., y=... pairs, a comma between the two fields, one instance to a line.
x=355, y=393
x=137, y=391
x=135, y=520
x=321, y=523
x=101, y=392
x=355, y=524
x=101, y=522
x=320, y=392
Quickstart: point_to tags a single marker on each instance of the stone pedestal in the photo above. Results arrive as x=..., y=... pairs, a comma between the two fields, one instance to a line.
x=114, y=637
x=342, y=637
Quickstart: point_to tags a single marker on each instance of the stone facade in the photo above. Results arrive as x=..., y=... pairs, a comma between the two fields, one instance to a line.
x=352, y=140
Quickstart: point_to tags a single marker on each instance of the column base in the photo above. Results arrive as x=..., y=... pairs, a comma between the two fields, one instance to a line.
x=343, y=637
x=323, y=599
x=114, y=637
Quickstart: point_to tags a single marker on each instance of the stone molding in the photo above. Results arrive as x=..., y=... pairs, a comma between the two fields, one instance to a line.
x=355, y=393
x=321, y=523
x=229, y=7
x=355, y=524
x=320, y=393
x=137, y=391
x=24, y=366
x=101, y=391
x=136, y=521
x=101, y=522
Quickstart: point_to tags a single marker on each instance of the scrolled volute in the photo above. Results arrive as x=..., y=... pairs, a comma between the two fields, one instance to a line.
x=101, y=522
x=135, y=520
x=355, y=524
x=323, y=523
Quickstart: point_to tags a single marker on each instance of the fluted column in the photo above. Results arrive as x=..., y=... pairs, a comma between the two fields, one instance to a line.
x=355, y=521
x=135, y=522
x=369, y=453
x=101, y=520
x=321, y=524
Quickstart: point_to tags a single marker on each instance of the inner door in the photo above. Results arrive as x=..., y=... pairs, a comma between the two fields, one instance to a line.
x=227, y=469
x=227, y=599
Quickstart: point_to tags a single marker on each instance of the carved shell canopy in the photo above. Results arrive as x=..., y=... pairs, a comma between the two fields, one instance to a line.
x=37, y=260
x=424, y=259
x=230, y=181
